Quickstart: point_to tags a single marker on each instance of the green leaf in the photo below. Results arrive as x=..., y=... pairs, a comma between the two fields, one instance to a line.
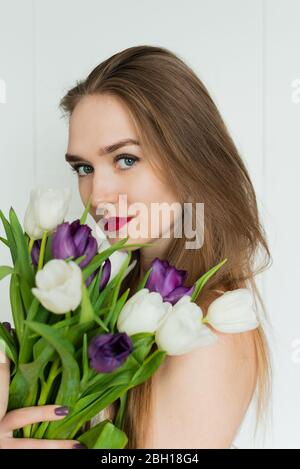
x=17, y=308
x=10, y=346
x=23, y=257
x=71, y=424
x=104, y=295
x=101, y=257
x=48, y=250
x=202, y=280
x=104, y=435
x=93, y=288
x=79, y=259
x=119, y=421
x=149, y=366
x=18, y=391
x=4, y=241
x=118, y=307
x=121, y=376
x=87, y=313
x=10, y=237
x=142, y=344
x=120, y=277
x=69, y=387
x=85, y=361
x=86, y=212
x=6, y=270
x=26, y=294
x=26, y=343
x=144, y=280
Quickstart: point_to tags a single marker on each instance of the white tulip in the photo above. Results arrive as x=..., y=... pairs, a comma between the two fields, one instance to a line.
x=143, y=312
x=59, y=286
x=47, y=208
x=182, y=329
x=233, y=312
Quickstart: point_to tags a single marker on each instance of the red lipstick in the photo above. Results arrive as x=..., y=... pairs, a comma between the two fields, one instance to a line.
x=115, y=223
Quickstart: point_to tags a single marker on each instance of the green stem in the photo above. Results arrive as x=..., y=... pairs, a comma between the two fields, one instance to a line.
x=31, y=242
x=119, y=421
x=46, y=388
x=42, y=250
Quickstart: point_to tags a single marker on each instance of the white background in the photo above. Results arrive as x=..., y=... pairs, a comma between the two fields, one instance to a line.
x=246, y=52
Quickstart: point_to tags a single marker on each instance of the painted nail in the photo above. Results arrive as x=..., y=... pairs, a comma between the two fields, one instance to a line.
x=79, y=446
x=61, y=410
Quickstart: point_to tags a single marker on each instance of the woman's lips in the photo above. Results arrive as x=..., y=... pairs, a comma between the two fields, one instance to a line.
x=115, y=223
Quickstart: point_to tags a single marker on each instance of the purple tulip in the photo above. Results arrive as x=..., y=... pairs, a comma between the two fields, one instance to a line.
x=9, y=329
x=35, y=252
x=105, y=276
x=74, y=240
x=168, y=281
x=7, y=326
x=106, y=271
x=107, y=352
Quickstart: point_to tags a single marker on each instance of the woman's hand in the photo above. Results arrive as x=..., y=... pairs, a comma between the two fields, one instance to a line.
x=10, y=421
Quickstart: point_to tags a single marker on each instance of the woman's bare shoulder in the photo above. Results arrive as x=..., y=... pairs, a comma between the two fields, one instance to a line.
x=206, y=392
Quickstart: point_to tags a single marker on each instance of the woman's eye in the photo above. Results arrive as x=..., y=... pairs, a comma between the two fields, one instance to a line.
x=127, y=161
x=124, y=162
x=82, y=169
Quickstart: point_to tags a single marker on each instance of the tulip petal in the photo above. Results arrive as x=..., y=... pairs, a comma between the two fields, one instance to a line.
x=108, y=352
x=35, y=252
x=50, y=207
x=80, y=237
x=178, y=293
x=63, y=245
x=30, y=225
x=46, y=209
x=165, y=278
x=59, y=286
x=157, y=275
x=174, y=278
x=105, y=274
x=90, y=251
x=233, y=312
x=54, y=301
x=182, y=330
x=143, y=312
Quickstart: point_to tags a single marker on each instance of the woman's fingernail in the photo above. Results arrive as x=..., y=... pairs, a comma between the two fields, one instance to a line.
x=79, y=446
x=61, y=410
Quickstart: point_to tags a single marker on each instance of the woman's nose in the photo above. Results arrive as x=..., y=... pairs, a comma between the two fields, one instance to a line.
x=103, y=193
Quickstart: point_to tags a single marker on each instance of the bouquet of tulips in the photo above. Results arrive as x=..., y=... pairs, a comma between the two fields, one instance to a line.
x=75, y=339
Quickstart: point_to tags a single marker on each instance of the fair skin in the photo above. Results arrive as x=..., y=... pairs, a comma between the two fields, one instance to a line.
x=10, y=421
x=200, y=397
x=99, y=121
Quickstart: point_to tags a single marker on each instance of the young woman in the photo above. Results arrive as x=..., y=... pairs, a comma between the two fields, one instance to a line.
x=143, y=125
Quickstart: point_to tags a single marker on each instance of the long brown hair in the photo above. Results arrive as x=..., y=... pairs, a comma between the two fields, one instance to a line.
x=183, y=134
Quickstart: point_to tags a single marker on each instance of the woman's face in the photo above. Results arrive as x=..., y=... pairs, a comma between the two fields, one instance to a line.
x=120, y=181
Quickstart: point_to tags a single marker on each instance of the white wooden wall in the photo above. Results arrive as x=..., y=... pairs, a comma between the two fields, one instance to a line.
x=247, y=53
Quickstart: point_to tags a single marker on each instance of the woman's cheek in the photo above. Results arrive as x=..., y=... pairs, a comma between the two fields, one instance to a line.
x=84, y=190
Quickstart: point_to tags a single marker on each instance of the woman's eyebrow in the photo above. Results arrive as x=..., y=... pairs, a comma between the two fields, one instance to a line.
x=108, y=149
